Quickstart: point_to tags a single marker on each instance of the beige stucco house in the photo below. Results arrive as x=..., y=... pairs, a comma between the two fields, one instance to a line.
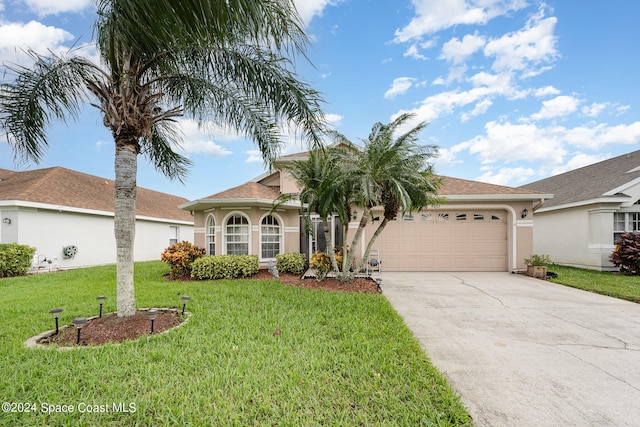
x=68, y=216
x=590, y=207
x=481, y=227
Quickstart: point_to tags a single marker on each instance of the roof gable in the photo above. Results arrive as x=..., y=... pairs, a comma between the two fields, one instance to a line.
x=64, y=187
x=248, y=190
x=599, y=180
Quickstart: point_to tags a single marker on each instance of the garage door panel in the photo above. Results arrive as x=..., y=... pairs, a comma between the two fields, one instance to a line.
x=447, y=241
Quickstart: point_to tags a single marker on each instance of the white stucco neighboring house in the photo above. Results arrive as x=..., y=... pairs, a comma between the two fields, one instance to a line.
x=68, y=216
x=591, y=207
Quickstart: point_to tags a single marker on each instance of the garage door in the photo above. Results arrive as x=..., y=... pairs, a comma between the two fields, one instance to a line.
x=445, y=241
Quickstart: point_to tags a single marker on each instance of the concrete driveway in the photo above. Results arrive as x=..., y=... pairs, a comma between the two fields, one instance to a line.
x=525, y=352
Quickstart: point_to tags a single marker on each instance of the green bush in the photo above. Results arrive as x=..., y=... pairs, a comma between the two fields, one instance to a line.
x=179, y=256
x=290, y=263
x=224, y=267
x=15, y=259
x=626, y=255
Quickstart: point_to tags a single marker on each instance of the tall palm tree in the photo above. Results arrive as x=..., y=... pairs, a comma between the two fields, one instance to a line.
x=321, y=192
x=229, y=61
x=392, y=171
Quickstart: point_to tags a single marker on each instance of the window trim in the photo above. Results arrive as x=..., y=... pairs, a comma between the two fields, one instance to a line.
x=225, y=234
x=208, y=234
x=177, y=234
x=280, y=235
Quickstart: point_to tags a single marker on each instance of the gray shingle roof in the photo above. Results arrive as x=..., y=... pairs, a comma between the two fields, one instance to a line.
x=589, y=182
x=64, y=187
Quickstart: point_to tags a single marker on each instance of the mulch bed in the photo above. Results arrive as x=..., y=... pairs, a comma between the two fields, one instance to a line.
x=359, y=284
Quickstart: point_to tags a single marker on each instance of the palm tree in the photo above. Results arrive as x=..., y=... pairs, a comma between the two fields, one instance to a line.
x=390, y=171
x=221, y=60
x=319, y=180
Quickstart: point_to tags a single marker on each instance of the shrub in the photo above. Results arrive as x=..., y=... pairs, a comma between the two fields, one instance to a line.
x=290, y=263
x=536, y=259
x=626, y=255
x=321, y=263
x=224, y=267
x=180, y=256
x=15, y=259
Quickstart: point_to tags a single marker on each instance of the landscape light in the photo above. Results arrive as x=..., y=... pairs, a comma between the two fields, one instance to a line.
x=55, y=312
x=152, y=315
x=185, y=299
x=378, y=283
x=101, y=299
x=79, y=322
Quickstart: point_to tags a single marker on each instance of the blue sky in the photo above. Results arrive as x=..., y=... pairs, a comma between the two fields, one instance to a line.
x=513, y=90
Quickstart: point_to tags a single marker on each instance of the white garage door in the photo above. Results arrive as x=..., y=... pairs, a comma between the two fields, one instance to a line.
x=445, y=241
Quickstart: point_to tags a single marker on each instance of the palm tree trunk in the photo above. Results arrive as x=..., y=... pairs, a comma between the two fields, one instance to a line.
x=381, y=227
x=356, y=239
x=327, y=239
x=126, y=167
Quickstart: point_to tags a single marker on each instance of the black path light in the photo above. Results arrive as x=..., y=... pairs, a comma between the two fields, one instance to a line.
x=378, y=283
x=185, y=299
x=55, y=312
x=101, y=299
x=79, y=322
x=152, y=315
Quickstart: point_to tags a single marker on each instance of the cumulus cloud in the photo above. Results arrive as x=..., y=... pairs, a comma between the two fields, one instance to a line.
x=456, y=50
x=399, y=86
x=580, y=160
x=435, y=15
x=526, y=50
x=200, y=140
x=557, y=107
x=308, y=8
x=52, y=7
x=17, y=37
x=507, y=176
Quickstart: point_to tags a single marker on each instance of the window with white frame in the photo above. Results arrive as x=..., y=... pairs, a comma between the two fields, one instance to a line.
x=211, y=235
x=173, y=235
x=625, y=221
x=237, y=235
x=270, y=237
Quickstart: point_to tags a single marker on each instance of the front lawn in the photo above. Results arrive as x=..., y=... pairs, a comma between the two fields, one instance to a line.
x=338, y=359
x=615, y=285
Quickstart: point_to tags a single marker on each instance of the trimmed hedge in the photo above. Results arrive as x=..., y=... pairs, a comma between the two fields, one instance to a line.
x=15, y=259
x=224, y=267
x=290, y=263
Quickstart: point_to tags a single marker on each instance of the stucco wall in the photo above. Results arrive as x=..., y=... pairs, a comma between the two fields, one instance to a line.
x=49, y=231
x=289, y=219
x=580, y=236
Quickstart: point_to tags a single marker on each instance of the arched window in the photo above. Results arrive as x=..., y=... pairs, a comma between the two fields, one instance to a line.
x=211, y=235
x=237, y=235
x=270, y=237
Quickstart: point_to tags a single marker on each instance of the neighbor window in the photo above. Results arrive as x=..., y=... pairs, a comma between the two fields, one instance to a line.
x=237, y=235
x=270, y=237
x=173, y=235
x=211, y=235
x=625, y=221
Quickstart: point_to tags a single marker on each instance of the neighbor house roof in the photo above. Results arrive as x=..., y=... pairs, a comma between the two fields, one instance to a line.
x=63, y=187
x=600, y=182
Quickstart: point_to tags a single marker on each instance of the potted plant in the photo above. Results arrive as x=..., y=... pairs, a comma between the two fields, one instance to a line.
x=536, y=265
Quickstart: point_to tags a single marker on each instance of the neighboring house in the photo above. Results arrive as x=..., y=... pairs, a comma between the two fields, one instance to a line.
x=68, y=217
x=482, y=227
x=591, y=206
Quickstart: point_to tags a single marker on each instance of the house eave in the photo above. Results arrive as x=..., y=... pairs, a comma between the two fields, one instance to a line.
x=612, y=201
x=495, y=197
x=204, y=204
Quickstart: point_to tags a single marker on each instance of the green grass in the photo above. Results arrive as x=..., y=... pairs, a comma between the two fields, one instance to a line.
x=341, y=359
x=611, y=284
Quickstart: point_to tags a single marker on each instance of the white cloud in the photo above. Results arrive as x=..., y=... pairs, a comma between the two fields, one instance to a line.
x=559, y=106
x=594, y=109
x=308, y=8
x=413, y=52
x=596, y=137
x=480, y=108
x=456, y=51
x=579, y=160
x=435, y=15
x=198, y=140
x=16, y=37
x=52, y=7
x=507, y=176
x=526, y=50
x=399, y=86
x=254, y=156
x=545, y=91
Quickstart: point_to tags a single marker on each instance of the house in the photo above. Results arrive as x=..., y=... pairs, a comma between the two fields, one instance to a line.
x=591, y=206
x=68, y=217
x=481, y=227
